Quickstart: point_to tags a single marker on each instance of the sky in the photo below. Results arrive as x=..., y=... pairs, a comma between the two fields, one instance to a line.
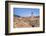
x=26, y=12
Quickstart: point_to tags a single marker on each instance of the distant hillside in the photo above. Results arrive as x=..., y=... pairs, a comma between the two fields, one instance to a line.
x=27, y=17
x=17, y=16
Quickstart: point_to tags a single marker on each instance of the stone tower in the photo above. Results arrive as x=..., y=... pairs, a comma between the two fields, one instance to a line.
x=32, y=14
